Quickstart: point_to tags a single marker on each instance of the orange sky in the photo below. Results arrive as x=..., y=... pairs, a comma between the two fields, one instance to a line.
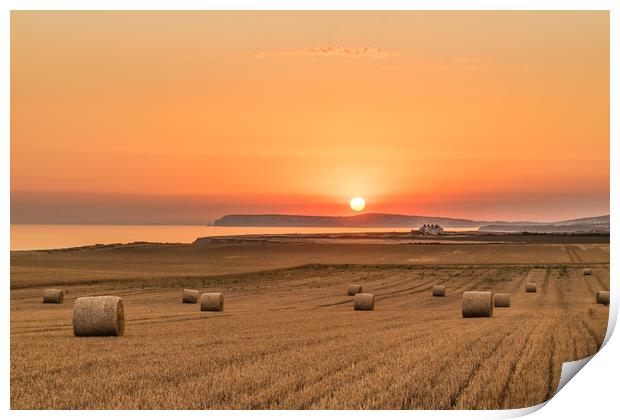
x=187, y=116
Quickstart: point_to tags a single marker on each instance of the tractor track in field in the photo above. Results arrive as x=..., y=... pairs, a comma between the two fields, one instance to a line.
x=503, y=396
x=551, y=369
x=474, y=370
x=585, y=327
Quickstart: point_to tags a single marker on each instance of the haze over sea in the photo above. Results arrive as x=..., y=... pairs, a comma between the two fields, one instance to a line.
x=29, y=237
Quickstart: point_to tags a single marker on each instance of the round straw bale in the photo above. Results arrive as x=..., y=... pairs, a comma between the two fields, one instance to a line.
x=477, y=304
x=53, y=296
x=602, y=296
x=364, y=302
x=190, y=296
x=587, y=272
x=439, y=290
x=98, y=316
x=354, y=289
x=530, y=287
x=211, y=302
x=502, y=300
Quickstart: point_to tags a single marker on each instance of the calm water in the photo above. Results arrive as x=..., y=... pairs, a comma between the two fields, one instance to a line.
x=25, y=237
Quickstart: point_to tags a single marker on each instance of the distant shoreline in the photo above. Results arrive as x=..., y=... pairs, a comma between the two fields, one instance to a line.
x=352, y=238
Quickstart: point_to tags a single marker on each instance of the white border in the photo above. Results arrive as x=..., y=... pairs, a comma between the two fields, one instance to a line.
x=592, y=395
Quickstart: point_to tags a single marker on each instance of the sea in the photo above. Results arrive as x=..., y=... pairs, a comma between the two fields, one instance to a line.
x=35, y=237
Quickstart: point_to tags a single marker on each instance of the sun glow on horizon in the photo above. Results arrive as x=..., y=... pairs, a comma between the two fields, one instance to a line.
x=357, y=204
x=293, y=112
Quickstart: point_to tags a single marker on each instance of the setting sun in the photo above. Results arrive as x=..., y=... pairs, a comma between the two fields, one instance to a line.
x=357, y=204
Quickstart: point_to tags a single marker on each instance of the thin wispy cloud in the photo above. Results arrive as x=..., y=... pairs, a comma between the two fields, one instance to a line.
x=374, y=53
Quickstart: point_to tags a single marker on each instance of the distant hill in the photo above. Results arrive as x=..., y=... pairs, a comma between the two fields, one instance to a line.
x=386, y=220
x=586, y=224
x=597, y=220
x=361, y=220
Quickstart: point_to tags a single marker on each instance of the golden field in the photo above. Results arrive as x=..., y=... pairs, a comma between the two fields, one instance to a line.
x=289, y=337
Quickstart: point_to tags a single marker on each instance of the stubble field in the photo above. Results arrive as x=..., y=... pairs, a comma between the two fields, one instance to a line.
x=289, y=337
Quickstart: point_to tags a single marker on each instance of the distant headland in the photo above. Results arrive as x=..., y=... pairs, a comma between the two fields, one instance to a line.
x=386, y=220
